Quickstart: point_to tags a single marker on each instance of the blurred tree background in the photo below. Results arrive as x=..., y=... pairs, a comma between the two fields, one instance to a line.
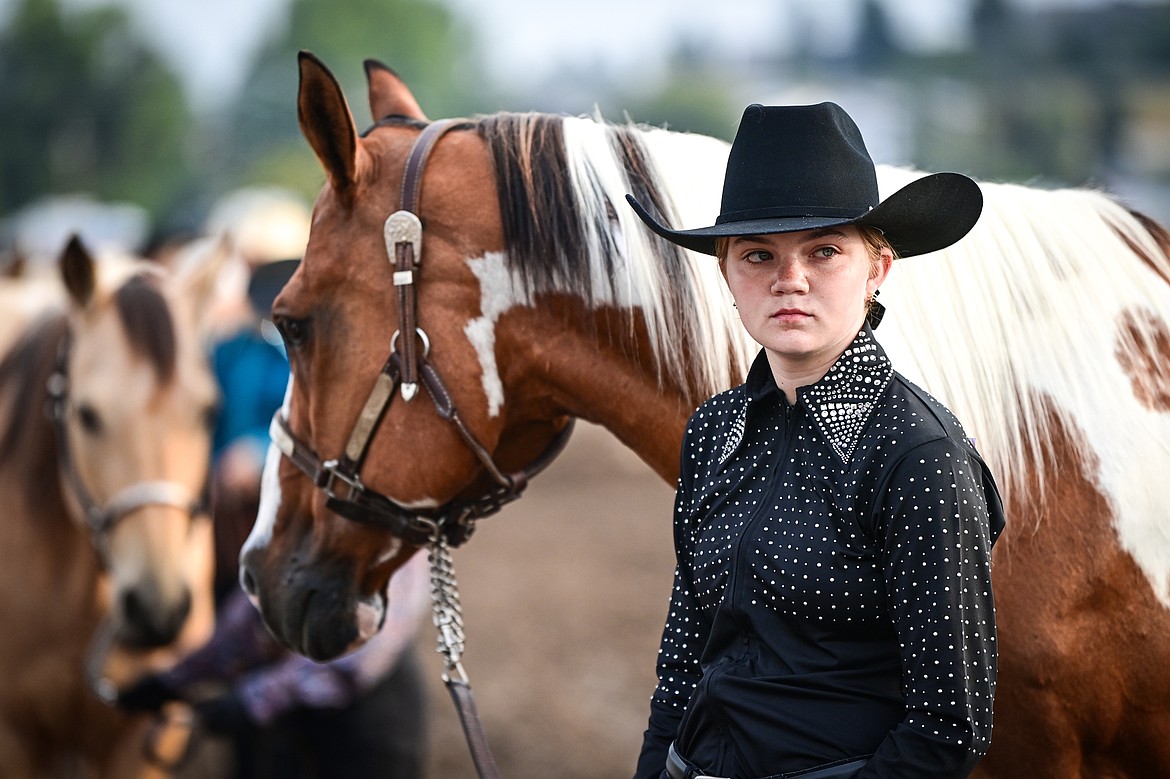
x=1063, y=96
x=86, y=106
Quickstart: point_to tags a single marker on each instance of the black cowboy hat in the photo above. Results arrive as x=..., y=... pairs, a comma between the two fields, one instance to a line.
x=267, y=281
x=805, y=167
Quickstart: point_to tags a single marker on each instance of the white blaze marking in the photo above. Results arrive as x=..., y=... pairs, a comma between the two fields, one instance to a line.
x=270, y=497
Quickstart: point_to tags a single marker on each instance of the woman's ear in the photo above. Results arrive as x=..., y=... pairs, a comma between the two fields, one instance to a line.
x=879, y=270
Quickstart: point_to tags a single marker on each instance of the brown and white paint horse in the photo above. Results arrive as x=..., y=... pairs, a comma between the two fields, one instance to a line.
x=543, y=298
x=106, y=556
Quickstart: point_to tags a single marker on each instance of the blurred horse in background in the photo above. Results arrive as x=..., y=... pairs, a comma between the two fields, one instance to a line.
x=537, y=296
x=106, y=406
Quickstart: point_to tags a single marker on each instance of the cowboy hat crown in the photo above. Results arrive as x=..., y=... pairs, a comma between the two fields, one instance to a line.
x=806, y=167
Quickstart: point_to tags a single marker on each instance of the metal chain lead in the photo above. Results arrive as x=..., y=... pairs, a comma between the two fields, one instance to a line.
x=448, y=612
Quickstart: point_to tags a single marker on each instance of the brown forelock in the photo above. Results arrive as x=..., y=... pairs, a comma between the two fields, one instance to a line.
x=148, y=323
x=542, y=219
x=536, y=200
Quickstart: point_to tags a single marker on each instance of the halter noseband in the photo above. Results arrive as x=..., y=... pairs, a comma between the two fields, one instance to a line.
x=102, y=518
x=405, y=369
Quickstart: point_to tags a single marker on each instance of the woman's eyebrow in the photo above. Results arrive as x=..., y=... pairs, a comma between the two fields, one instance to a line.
x=826, y=231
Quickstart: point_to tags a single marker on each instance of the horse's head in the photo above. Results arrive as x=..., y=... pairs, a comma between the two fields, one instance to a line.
x=408, y=445
x=132, y=401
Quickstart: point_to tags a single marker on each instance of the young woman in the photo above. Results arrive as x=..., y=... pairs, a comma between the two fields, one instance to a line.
x=832, y=613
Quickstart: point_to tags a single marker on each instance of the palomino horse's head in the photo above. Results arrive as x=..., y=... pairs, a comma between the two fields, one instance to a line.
x=132, y=400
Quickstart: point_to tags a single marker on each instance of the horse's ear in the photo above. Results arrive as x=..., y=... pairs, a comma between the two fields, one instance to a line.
x=327, y=123
x=389, y=96
x=77, y=271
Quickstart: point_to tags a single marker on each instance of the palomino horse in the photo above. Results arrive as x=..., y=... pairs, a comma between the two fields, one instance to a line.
x=542, y=298
x=106, y=404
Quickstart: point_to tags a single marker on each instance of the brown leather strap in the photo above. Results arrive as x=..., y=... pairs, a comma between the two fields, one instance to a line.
x=481, y=753
x=445, y=406
x=406, y=257
x=417, y=163
x=405, y=263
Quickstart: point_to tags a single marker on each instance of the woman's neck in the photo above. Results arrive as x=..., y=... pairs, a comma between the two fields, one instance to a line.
x=790, y=377
x=791, y=373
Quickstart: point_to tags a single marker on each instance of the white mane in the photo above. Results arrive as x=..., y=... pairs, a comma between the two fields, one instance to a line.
x=690, y=169
x=1023, y=317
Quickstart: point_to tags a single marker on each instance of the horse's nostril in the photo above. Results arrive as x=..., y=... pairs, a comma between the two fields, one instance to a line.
x=149, y=625
x=247, y=581
x=181, y=612
x=133, y=609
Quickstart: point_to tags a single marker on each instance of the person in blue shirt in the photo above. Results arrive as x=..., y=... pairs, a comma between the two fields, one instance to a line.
x=251, y=369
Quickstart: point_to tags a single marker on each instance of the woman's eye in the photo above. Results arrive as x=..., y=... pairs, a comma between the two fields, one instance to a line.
x=293, y=331
x=826, y=252
x=757, y=256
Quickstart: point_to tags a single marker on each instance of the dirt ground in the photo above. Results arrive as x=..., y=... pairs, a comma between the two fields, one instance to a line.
x=564, y=595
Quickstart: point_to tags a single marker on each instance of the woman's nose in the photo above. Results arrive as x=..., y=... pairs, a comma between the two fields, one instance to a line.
x=789, y=278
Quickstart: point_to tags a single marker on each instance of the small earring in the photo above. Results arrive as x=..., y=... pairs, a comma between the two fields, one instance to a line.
x=874, y=311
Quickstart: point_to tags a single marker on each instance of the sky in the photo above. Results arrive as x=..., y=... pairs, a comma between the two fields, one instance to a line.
x=211, y=41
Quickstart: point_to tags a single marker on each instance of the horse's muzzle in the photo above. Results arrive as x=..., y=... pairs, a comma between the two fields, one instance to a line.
x=314, y=610
x=148, y=622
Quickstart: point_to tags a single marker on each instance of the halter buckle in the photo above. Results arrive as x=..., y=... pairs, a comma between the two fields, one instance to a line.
x=331, y=474
x=403, y=227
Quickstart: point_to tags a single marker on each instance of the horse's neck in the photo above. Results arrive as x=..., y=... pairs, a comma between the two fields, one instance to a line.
x=657, y=334
x=630, y=404
x=642, y=381
x=601, y=375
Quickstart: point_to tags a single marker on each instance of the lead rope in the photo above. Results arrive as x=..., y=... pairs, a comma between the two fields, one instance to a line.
x=448, y=620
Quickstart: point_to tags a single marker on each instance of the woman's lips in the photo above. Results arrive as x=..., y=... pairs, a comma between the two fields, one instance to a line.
x=790, y=315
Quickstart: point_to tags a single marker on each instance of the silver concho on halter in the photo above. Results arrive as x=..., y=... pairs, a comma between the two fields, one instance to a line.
x=404, y=227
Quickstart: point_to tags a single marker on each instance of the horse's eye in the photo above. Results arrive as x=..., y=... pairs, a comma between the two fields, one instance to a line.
x=294, y=331
x=90, y=421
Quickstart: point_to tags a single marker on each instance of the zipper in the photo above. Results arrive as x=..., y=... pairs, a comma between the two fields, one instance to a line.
x=733, y=575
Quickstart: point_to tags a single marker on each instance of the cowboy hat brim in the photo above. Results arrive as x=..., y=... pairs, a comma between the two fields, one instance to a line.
x=926, y=215
x=266, y=283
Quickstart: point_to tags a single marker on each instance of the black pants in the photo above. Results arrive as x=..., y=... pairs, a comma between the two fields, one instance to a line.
x=382, y=734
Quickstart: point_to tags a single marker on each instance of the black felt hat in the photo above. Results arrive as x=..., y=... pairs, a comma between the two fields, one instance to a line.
x=805, y=167
x=267, y=281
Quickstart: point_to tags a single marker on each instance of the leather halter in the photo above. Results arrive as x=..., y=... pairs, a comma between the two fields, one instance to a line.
x=102, y=518
x=404, y=370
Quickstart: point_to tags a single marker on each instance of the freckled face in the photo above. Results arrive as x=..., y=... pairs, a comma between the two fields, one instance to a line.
x=802, y=295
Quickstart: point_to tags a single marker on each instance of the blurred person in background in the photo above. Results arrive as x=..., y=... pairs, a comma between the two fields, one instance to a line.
x=286, y=717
